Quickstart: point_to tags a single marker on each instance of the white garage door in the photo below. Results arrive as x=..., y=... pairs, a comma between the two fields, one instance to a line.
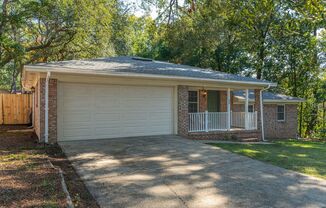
x=109, y=111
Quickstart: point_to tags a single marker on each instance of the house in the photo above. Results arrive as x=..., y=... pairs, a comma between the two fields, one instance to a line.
x=131, y=96
x=280, y=113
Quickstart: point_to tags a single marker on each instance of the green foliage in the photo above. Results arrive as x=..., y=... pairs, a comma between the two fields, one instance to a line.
x=274, y=40
x=35, y=31
x=282, y=41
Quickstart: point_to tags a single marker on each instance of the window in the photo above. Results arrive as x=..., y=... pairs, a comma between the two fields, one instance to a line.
x=192, y=101
x=250, y=108
x=281, y=113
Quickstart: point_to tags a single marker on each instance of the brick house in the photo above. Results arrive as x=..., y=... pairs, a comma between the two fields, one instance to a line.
x=280, y=113
x=130, y=96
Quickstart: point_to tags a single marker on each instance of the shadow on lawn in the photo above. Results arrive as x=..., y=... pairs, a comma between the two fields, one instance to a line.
x=175, y=172
x=305, y=157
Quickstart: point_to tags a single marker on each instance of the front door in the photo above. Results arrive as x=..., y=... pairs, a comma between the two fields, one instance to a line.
x=213, y=101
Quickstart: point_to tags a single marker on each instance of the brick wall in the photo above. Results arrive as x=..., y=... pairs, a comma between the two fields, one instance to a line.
x=280, y=129
x=183, y=110
x=225, y=135
x=257, y=108
x=238, y=107
x=52, y=110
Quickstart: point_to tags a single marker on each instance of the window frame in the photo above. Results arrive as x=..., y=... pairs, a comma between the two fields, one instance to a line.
x=277, y=113
x=253, y=108
x=197, y=101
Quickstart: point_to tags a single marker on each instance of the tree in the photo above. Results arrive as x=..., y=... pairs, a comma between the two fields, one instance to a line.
x=46, y=30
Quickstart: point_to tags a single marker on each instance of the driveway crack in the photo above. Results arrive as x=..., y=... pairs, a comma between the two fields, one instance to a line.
x=177, y=195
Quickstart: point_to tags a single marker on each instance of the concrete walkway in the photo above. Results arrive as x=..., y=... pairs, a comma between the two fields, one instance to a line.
x=229, y=142
x=169, y=171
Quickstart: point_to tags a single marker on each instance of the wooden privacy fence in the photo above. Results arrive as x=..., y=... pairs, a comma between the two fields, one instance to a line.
x=15, y=108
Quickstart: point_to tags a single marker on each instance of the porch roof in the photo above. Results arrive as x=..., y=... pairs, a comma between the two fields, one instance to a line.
x=267, y=97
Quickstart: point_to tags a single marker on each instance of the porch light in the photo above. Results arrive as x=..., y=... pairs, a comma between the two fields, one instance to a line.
x=204, y=92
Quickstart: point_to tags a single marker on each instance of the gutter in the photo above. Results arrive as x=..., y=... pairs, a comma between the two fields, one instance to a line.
x=46, y=128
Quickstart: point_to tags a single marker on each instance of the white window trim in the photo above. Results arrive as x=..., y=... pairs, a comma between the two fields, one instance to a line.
x=198, y=94
x=253, y=108
x=277, y=112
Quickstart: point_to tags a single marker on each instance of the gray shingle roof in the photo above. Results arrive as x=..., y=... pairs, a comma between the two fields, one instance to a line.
x=267, y=96
x=131, y=65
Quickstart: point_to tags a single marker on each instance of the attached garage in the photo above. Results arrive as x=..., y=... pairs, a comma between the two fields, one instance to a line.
x=90, y=111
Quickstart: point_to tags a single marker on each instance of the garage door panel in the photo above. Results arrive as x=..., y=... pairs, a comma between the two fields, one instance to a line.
x=108, y=117
x=106, y=106
x=109, y=111
x=76, y=106
x=77, y=132
x=76, y=113
x=108, y=125
x=73, y=123
x=69, y=90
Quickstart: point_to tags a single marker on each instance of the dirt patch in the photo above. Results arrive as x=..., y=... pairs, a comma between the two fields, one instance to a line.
x=27, y=180
x=79, y=194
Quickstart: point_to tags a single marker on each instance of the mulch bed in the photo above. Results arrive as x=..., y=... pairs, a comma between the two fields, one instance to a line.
x=27, y=180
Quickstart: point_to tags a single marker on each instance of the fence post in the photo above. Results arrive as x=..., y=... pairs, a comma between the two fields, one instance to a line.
x=206, y=121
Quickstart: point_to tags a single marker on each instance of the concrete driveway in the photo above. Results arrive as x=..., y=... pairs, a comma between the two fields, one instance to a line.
x=169, y=171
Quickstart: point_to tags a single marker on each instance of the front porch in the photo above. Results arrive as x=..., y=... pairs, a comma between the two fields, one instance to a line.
x=222, y=121
x=216, y=114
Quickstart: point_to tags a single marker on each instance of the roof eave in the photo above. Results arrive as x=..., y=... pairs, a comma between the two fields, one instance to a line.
x=44, y=69
x=241, y=99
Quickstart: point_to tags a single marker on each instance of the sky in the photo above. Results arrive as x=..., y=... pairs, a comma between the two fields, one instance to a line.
x=138, y=11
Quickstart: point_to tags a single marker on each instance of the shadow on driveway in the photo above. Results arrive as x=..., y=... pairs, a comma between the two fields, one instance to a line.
x=169, y=171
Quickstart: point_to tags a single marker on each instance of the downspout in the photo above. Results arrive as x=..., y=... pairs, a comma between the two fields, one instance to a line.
x=262, y=112
x=46, y=128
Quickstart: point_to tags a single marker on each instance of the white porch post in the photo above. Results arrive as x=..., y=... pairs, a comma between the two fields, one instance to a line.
x=228, y=104
x=246, y=109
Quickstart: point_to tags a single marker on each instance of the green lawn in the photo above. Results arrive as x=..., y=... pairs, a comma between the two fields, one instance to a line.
x=301, y=156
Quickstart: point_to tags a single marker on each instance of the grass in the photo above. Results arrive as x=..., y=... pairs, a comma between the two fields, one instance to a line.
x=301, y=156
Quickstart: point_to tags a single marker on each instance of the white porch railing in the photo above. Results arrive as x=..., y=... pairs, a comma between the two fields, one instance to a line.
x=218, y=121
x=238, y=120
x=207, y=121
